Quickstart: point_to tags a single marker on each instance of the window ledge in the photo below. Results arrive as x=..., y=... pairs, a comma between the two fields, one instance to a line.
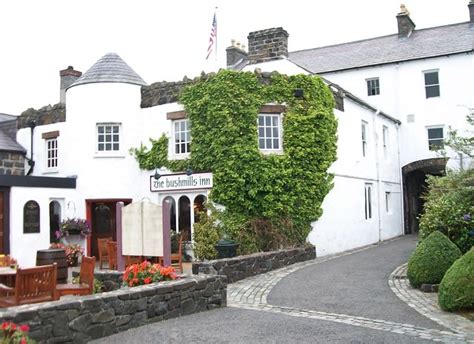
x=51, y=171
x=179, y=156
x=271, y=151
x=109, y=155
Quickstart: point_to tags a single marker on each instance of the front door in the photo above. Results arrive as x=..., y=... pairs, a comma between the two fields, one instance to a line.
x=102, y=217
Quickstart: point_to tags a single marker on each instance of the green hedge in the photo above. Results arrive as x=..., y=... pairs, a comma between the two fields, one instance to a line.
x=431, y=259
x=456, y=290
x=449, y=204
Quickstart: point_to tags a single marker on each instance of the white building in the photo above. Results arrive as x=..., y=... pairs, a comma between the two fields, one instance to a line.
x=382, y=138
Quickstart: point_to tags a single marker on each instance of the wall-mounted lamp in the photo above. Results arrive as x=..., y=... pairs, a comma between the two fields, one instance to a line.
x=189, y=171
x=156, y=175
x=298, y=93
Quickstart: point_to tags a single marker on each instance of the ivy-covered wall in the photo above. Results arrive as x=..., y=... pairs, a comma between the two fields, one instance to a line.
x=286, y=189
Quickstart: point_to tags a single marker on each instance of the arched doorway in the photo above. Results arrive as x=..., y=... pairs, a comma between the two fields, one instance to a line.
x=172, y=212
x=198, y=206
x=184, y=217
x=414, y=185
x=54, y=220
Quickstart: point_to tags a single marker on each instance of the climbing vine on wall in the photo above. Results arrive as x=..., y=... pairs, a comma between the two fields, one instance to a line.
x=286, y=188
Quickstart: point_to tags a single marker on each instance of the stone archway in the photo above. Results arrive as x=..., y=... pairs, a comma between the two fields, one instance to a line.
x=414, y=185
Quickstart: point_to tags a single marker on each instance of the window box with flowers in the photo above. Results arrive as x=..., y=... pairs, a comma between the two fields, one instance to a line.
x=74, y=226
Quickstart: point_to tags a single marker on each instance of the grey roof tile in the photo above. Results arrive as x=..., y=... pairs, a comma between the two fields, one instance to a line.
x=110, y=68
x=6, y=117
x=431, y=42
x=10, y=145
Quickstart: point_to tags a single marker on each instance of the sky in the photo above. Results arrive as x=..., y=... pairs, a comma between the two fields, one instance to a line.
x=166, y=40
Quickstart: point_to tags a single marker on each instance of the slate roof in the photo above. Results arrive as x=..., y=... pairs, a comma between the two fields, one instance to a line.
x=430, y=42
x=8, y=143
x=110, y=68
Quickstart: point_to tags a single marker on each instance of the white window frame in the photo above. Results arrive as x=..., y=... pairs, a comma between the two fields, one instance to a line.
x=435, y=139
x=112, y=142
x=368, y=196
x=364, y=137
x=264, y=129
x=51, y=154
x=187, y=139
x=373, y=86
x=385, y=139
x=429, y=86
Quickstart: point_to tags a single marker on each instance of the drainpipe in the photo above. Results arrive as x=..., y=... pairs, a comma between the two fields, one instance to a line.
x=379, y=182
x=31, y=162
x=400, y=176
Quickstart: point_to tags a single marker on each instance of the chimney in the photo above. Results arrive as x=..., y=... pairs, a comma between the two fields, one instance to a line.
x=267, y=45
x=68, y=77
x=405, y=24
x=471, y=12
x=235, y=54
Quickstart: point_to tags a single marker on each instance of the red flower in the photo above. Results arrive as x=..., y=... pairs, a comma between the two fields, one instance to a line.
x=23, y=340
x=24, y=328
x=147, y=280
x=5, y=325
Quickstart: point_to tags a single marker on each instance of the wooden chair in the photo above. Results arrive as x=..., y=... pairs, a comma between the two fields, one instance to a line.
x=86, y=280
x=177, y=257
x=32, y=285
x=129, y=260
x=103, y=250
x=112, y=251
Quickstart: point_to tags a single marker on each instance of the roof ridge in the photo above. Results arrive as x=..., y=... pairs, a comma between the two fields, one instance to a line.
x=373, y=38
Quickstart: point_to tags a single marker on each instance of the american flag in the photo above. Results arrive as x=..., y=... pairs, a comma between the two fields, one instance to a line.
x=212, y=37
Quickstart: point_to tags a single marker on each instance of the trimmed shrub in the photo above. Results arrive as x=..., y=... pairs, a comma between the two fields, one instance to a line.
x=206, y=234
x=456, y=290
x=431, y=259
x=449, y=205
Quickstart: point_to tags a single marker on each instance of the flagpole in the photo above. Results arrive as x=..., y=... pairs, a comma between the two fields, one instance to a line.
x=215, y=53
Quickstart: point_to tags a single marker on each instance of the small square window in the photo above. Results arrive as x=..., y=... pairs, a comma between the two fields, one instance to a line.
x=108, y=137
x=373, y=87
x=435, y=138
x=431, y=84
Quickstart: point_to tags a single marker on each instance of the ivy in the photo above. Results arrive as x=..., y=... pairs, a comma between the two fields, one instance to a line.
x=286, y=188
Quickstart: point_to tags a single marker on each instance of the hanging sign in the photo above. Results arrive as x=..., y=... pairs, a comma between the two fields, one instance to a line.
x=177, y=182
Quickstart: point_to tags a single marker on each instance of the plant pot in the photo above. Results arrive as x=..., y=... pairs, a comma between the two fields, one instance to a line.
x=226, y=248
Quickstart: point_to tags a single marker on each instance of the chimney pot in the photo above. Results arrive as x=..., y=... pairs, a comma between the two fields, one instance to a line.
x=405, y=24
x=471, y=12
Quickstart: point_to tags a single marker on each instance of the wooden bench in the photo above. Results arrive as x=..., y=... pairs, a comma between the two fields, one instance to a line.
x=32, y=285
x=86, y=280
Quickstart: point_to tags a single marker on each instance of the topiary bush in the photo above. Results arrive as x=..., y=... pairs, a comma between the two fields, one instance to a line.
x=456, y=290
x=206, y=234
x=449, y=204
x=431, y=259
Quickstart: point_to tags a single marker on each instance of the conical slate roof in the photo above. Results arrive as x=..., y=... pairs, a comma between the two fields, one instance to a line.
x=110, y=68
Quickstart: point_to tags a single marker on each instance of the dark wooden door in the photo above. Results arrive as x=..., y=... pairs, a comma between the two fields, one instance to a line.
x=103, y=224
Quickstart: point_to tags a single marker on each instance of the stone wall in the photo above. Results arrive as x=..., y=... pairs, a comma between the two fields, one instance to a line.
x=46, y=115
x=80, y=319
x=241, y=267
x=165, y=92
x=267, y=45
x=12, y=163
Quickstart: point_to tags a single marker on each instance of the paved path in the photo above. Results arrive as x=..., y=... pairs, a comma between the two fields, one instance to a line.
x=340, y=299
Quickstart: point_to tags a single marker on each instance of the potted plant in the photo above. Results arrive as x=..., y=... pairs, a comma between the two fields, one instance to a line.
x=74, y=226
x=73, y=252
x=226, y=247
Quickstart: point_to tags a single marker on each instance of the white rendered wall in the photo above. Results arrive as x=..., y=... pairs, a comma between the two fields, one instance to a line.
x=23, y=246
x=402, y=93
x=343, y=225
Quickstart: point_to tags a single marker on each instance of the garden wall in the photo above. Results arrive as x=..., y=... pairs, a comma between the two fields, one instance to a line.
x=241, y=267
x=80, y=319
